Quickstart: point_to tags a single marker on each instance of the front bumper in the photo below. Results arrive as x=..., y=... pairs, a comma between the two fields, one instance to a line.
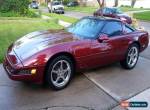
x=59, y=11
x=13, y=70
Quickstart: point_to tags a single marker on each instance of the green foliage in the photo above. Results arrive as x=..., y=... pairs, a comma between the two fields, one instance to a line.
x=14, y=28
x=142, y=15
x=9, y=14
x=44, y=4
x=18, y=6
x=127, y=6
x=61, y=17
x=65, y=2
x=30, y=14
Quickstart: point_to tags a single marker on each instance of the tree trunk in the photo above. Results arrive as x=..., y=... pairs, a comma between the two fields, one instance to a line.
x=116, y=3
x=101, y=3
x=133, y=3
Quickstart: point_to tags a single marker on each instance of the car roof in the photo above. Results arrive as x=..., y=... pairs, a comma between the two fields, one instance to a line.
x=111, y=7
x=103, y=18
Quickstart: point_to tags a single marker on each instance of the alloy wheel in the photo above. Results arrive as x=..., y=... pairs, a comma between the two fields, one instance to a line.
x=132, y=56
x=61, y=73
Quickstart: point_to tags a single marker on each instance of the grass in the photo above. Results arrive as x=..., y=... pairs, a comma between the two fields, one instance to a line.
x=125, y=9
x=85, y=9
x=30, y=14
x=61, y=17
x=12, y=29
x=142, y=15
x=89, y=9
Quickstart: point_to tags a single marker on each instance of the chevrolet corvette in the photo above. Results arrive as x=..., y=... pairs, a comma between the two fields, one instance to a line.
x=54, y=56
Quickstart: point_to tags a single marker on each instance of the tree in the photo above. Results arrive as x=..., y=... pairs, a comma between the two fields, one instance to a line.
x=116, y=3
x=101, y=3
x=133, y=3
x=18, y=6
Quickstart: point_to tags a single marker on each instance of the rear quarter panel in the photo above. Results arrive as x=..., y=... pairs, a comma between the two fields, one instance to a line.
x=143, y=39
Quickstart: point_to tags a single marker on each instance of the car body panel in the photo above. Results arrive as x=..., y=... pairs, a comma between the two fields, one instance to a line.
x=56, y=7
x=87, y=53
x=122, y=16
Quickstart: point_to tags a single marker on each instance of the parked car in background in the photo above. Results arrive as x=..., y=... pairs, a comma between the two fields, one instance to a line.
x=34, y=5
x=55, y=55
x=113, y=12
x=73, y=3
x=56, y=7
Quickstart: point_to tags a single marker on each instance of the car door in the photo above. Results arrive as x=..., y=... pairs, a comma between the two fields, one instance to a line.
x=108, y=51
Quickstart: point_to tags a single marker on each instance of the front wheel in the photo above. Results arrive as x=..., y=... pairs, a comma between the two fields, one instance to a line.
x=131, y=58
x=60, y=72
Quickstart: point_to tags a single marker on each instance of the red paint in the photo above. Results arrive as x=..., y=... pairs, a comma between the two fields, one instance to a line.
x=34, y=51
x=114, y=15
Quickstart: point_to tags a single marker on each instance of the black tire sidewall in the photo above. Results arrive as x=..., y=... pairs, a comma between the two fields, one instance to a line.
x=48, y=73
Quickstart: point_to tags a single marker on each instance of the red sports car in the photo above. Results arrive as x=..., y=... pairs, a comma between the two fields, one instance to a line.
x=113, y=12
x=55, y=55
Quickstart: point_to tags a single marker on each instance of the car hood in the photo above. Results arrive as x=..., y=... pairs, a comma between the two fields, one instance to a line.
x=34, y=42
x=58, y=6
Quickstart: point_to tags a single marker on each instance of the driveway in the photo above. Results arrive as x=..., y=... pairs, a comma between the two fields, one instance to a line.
x=99, y=89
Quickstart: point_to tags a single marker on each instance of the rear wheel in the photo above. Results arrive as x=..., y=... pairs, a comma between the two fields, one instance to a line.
x=60, y=72
x=131, y=58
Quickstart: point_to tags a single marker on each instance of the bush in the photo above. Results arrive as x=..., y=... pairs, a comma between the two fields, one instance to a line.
x=43, y=4
x=18, y=6
x=65, y=2
x=30, y=14
x=9, y=14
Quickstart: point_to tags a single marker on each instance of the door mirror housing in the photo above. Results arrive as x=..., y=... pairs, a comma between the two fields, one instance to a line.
x=103, y=37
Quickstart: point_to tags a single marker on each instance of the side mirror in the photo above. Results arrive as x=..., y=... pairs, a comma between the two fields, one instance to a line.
x=103, y=37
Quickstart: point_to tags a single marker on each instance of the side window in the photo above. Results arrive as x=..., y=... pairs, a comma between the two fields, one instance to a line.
x=108, y=11
x=112, y=28
x=127, y=29
x=104, y=10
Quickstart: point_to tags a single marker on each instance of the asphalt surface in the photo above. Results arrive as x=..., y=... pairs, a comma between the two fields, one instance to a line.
x=81, y=94
x=99, y=89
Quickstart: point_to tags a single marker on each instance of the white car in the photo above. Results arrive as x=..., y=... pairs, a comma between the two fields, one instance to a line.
x=56, y=7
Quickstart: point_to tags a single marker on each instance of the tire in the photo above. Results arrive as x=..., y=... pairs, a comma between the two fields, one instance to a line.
x=57, y=76
x=131, y=57
x=49, y=10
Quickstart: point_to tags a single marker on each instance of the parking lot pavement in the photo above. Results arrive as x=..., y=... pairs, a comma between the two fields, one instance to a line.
x=81, y=94
x=146, y=25
x=146, y=53
x=144, y=96
x=119, y=108
x=122, y=84
x=100, y=89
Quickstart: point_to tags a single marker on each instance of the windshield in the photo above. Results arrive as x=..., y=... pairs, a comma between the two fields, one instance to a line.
x=56, y=3
x=86, y=28
x=34, y=2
